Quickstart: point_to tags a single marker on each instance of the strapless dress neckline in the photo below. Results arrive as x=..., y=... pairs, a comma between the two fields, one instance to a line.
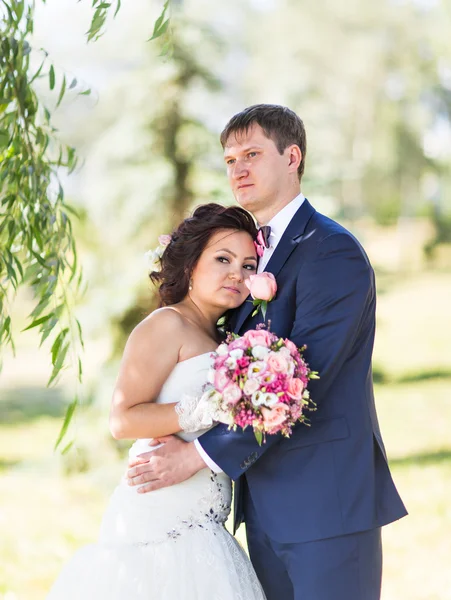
x=182, y=362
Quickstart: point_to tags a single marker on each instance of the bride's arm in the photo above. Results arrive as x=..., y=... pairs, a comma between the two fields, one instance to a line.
x=150, y=354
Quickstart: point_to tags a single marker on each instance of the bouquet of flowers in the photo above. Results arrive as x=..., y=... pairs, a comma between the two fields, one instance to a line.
x=260, y=380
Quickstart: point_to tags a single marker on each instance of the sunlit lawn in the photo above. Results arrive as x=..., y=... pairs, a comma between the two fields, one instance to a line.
x=45, y=516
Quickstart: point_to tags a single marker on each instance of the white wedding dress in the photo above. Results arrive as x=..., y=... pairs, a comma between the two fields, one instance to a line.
x=170, y=544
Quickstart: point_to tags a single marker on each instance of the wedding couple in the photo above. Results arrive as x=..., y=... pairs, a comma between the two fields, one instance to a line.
x=313, y=504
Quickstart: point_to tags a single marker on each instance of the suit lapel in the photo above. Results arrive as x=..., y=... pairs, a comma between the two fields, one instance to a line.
x=285, y=247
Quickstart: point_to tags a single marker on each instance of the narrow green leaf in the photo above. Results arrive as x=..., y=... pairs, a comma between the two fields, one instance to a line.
x=159, y=23
x=37, y=256
x=38, y=322
x=58, y=364
x=47, y=329
x=85, y=93
x=160, y=31
x=38, y=72
x=67, y=419
x=6, y=329
x=118, y=7
x=97, y=23
x=80, y=333
x=57, y=344
x=52, y=77
x=43, y=303
x=67, y=448
x=19, y=8
x=62, y=91
x=80, y=371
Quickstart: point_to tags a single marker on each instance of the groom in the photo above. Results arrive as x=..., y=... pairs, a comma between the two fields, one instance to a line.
x=313, y=504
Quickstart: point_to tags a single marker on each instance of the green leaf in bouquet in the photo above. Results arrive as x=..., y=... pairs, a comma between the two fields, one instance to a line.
x=258, y=436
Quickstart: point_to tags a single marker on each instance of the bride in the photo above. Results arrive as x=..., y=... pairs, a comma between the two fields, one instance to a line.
x=171, y=544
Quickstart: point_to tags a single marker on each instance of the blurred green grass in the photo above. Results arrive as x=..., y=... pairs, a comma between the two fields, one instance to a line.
x=45, y=516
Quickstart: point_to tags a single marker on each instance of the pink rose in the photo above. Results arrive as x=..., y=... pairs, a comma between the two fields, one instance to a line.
x=165, y=239
x=272, y=417
x=239, y=344
x=277, y=363
x=258, y=337
x=295, y=388
x=251, y=386
x=291, y=347
x=231, y=393
x=220, y=361
x=221, y=379
x=262, y=286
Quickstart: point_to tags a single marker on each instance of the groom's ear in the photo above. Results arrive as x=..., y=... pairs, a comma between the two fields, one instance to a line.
x=294, y=157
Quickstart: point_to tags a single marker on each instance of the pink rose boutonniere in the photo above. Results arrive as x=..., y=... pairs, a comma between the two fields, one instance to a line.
x=263, y=288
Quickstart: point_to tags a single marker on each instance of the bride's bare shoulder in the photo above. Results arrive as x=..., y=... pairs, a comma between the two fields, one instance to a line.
x=162, y=318
x=162, y=324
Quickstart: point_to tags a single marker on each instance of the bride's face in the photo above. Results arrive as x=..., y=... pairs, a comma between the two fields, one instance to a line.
x=218, y=278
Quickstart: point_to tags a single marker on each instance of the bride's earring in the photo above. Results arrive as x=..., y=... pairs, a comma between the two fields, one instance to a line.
x=190, y=285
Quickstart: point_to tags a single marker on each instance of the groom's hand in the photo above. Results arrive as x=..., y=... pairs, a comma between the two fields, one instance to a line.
x=168, y=465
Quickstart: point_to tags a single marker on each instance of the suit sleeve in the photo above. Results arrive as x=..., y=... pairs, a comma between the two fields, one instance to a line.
x=333, y=292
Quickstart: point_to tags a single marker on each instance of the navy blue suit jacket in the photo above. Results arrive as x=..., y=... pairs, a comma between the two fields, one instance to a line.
x=332, y=478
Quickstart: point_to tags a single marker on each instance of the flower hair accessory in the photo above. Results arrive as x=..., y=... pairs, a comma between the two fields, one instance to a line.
x=263, y=288
x=153, y=257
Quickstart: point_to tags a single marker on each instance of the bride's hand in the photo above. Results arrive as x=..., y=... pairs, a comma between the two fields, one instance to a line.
x=174, y=462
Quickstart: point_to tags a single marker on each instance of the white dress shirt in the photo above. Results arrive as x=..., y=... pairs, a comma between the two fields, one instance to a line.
x=278, y=225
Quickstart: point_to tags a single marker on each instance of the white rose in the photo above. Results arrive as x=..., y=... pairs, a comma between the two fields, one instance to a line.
x=260, y=352
x=285, y=352
x=222, y=350
x=236, y=354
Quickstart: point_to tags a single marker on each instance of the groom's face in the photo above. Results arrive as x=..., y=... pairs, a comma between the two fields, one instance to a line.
x=258, y=174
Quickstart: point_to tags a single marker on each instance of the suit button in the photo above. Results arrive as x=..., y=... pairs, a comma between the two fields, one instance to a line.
x=252, y=458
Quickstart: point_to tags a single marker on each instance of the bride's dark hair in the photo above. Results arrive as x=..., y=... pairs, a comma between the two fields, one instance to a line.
x=189, y=241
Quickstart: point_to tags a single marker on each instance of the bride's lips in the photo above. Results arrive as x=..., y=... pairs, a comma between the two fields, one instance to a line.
x=232, y=289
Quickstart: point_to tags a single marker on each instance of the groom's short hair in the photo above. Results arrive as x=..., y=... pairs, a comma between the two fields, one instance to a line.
x=279, y=123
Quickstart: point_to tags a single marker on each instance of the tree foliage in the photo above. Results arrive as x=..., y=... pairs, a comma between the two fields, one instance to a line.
x=37, y=246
